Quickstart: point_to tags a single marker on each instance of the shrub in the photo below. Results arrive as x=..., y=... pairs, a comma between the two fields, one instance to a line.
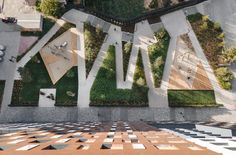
x=35, y=59
x=225, y=77
x=217, y=25
x=94, y=38
x=204, y=26
x=38, y=3
x=153, y=4
x=212, y=42
x=221, y=36
x=25, y=74
x=230, y=54
x=51, y=7
x=158, y=62
x=205, y=18
x=221, y=44
x=140, y=82
x=194, y=17
x=157, y=54
x=70, y=73
x=127, y=47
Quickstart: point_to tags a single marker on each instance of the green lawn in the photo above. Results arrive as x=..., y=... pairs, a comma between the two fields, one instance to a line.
x=191, y=98
x=28, y=93
x=2, y=86
x=94, y=38
x=104, y=91
x=157, y=54
x=122, y=9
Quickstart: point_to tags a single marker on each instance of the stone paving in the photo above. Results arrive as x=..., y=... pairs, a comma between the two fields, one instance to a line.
x=63, y=114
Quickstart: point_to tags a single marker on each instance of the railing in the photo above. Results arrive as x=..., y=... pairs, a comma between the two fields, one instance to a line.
x=149, y=15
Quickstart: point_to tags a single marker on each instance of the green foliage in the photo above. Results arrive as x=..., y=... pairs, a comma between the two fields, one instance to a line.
x=51, y=7
x=221, y=44
x=205, y=18
x=221, y=36
x=94, y=38
x=191, y=98
x=204, y=26
x=105, y=93
x=153, y=4
x=122, y=9
x=158, y=62
x=140, y=82
x=217, y=25
x=35, y=59
x=38, y=3
x=65, y=27
x=157, y=54
x=139, y=70
x=127, y=48
x=225, y=77
x=212, y=42
x=25, y=74
x=28, y=93
x=195, y=17
x=70, y=74
x=230, y=55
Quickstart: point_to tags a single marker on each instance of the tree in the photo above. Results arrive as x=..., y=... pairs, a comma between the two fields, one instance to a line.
x=25, y=75
x=51, y=7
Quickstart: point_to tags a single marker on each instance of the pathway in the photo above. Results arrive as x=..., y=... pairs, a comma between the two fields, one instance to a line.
x=43, y=41
x=11, y=40
x=143, y=37
x=177, y=21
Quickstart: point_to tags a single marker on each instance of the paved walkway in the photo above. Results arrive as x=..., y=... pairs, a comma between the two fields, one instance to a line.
x=177, y=21
x=11, y=40
x=40, y=43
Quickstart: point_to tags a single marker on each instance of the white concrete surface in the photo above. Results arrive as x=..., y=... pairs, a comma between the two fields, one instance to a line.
x=44, y=101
